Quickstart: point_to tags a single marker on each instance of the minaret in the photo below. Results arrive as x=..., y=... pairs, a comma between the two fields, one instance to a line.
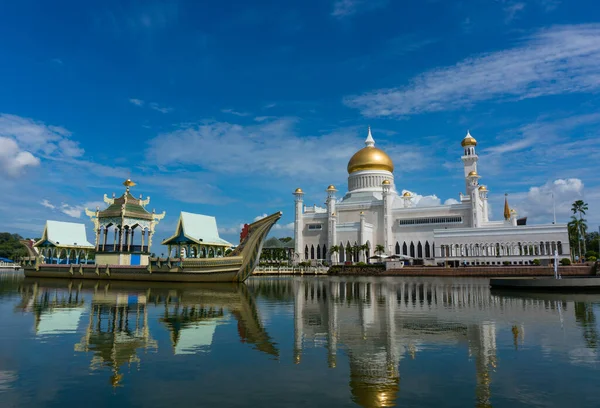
x=387, y=214
x=331, y=220
x=299, y=225
x=483, y=195
x=469, y=159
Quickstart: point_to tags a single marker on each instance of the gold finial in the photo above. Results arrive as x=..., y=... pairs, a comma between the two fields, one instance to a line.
x=298, y=190
x=506, y=207
x=128, y=183
x=386, y=182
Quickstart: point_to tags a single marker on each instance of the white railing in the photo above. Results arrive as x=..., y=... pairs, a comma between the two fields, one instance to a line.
x=9, y=265
x=290, y=270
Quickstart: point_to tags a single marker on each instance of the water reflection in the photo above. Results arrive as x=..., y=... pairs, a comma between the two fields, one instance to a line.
x=376, y=329
x=377, y=322
x=118, y=329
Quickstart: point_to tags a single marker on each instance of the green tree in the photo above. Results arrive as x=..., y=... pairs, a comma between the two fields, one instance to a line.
x=349, y=250
x=11, y=247
x=580, y=207
x=379, y=249
x=577, y=227
x=365, y=249
x=334, y=249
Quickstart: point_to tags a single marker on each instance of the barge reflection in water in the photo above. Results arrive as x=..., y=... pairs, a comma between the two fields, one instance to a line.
x=321, y=341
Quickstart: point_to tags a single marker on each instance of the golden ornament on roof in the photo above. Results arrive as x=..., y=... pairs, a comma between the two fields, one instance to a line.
x=483, y=188
x=370, y=158
x=331, y=187
x=473, y=174
x=128, y=183
x=406, y=194
x=468, y=141
x=386, y=182
x=298, y=190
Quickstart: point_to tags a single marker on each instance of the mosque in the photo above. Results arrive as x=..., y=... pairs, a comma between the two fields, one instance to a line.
x=375, y=214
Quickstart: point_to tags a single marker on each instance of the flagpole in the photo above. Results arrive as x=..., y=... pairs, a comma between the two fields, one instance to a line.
x=554, y=208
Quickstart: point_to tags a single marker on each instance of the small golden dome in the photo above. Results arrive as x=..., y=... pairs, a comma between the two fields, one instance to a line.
x=128, y=183
x=331, y=187
x=386, y=182
x=406, y=194
x=473, y=174
x=370, y=158
x=298, y=190
x=483, y=188
x=468, y=141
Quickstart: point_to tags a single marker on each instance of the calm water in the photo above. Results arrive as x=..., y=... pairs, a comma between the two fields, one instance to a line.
x=297, y=342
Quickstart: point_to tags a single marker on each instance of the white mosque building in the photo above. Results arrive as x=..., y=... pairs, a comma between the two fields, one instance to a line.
x=374, y=212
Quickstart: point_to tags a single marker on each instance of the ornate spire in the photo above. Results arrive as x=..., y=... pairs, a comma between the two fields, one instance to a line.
x=506, y=208
x=128, y=183
x=370, y=142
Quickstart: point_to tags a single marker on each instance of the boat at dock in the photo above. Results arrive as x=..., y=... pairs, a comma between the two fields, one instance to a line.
x=236, y=266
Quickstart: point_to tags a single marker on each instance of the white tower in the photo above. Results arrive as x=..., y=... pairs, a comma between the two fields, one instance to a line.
x=469, y=159
x=387, y=214
x=299, y=225
x=331, y=221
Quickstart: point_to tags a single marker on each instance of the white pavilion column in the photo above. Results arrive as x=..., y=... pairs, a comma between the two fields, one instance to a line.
x=387, y=215
x=361, y=235
x=299, y=225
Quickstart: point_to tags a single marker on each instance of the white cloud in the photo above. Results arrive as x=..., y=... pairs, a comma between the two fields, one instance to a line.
x=537, y=203
x=236, y=113
x=23, y=141
x=346, y=8
x=559, y=60
x=419, y=200
x=158, y=108
x=48, y=204
x=451, y=201
x=271, y=148
x=136, y=102
x=278, y=226
x=13, y=160
x=512, y=9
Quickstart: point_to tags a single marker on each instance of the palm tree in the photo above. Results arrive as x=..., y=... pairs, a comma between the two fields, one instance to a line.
x=334, y=249
x=577, y=228
x=349, y=250
x=379, y=249
x=580, y=207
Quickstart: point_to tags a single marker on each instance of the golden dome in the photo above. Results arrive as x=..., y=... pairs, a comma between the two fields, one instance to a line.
x=298, y=190
x=473, y=174
x=483, y=188
x=370, y=158
x=386, y=182
x=468, y=141
x=331, y=187
x=406, y=194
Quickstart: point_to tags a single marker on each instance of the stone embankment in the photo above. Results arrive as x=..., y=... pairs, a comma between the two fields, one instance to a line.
x=484, y=271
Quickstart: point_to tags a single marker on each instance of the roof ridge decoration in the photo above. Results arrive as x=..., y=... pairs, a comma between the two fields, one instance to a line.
x=506, y=207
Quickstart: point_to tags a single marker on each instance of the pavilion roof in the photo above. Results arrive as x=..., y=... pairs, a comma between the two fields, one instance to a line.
x=64, y=234
x=198, y=228
x=126, y=206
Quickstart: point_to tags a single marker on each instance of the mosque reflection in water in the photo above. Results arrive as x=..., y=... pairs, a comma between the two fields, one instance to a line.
x=375, y=323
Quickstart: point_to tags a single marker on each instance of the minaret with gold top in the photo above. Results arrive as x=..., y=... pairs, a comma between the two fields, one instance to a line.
x=124, y=219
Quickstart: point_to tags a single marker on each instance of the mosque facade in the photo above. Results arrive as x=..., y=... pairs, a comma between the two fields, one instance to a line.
x=374, y=213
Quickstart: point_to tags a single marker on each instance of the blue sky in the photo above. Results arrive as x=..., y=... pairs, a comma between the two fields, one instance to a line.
x=224, y=108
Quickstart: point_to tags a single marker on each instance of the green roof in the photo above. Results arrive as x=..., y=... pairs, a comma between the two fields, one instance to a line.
x=133, y=208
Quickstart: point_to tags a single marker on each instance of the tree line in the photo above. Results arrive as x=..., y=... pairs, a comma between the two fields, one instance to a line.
x=11, y=247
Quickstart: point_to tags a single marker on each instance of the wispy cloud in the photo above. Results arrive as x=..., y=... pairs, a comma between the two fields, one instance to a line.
x=24, y=141
x=346, y=8
x=161, y=109
x=268, y=148
x=152, y=105
x=512, y=9
x=560, y=60
x=537, y=203
x=234, y=112
x=136, y=102
x=47, y=204
x=74, y=211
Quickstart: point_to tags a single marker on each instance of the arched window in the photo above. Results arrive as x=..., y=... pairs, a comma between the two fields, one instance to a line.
x=306, y=252
x=356, y=250
x=318, y=252
x=427, y=250
x=404, y=249
x=324, y=253
x=312, y=252
x=412, y=249
x=397, y=248
x=559, y=248
x=342, y=253
x=419, y=250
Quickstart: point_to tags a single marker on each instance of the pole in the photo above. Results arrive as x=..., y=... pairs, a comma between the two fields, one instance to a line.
x=554, y=208
x=556, y=274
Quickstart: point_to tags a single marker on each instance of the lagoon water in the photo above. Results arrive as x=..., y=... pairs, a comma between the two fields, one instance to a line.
x=295, y=342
